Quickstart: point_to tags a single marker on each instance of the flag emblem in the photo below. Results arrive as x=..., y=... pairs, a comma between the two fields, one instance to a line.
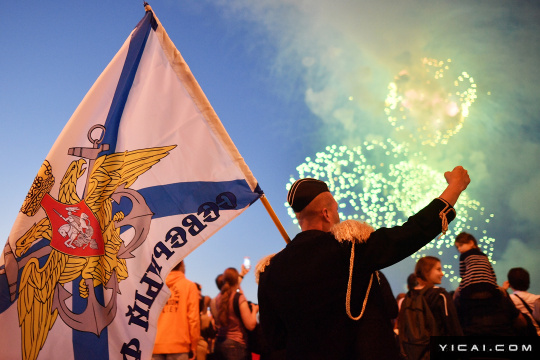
x=84, y=238
x=76, y=228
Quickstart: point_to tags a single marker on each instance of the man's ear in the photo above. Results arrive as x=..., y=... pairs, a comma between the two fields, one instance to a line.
x=325, y=214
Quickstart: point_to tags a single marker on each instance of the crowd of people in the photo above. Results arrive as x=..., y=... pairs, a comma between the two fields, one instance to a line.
x=485, y=309
x=195, y=326
x=324, y=297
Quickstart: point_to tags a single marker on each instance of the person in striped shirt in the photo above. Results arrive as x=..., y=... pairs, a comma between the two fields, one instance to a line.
x=478, y=279
x=484, y=309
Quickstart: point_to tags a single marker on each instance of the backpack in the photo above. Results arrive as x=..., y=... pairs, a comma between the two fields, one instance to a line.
x=254, y=337
x=416, y=325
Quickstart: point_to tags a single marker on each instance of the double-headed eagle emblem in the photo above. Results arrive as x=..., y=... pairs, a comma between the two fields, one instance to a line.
x=85, y=242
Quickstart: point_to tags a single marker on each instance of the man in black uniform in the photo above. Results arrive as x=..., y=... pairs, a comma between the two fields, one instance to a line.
x=320, y=297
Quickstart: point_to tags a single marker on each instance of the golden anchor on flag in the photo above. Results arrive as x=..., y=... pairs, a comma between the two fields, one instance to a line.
x=139, y=218
x=95, y=316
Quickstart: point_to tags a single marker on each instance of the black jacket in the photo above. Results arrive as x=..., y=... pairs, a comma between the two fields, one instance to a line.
x=302, y=292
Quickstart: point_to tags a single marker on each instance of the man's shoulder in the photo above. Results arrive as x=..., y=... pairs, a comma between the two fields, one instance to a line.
x=300, y=252
x=515, y=299
x=306, y=241
x=525, y=295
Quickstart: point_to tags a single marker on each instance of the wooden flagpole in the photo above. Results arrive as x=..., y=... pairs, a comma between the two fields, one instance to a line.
x=274, y=217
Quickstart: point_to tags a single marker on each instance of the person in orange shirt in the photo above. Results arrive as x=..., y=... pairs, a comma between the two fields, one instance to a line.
x=179, y=325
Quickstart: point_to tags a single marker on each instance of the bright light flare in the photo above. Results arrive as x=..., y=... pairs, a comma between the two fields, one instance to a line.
x=430, y=102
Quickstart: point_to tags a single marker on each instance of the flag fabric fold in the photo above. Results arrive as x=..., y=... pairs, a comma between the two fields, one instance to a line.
x=142, y=174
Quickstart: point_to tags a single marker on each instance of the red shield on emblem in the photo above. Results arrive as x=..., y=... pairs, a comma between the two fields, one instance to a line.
x=75, y=229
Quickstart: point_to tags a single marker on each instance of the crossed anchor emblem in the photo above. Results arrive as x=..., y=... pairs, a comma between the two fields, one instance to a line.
x=82, y=232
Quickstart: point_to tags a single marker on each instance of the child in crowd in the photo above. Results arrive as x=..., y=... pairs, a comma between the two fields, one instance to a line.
x=483, y=308
x=478, y=280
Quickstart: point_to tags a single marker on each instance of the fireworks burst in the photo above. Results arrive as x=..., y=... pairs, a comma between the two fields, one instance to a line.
x=430, y=103
x=382, y=183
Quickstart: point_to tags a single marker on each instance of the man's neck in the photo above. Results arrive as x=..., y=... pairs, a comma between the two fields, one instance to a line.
x=315, y=226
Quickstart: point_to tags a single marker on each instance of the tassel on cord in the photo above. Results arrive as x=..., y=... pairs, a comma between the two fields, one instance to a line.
x=349, y=290
x=354, y=232
x=443, y=214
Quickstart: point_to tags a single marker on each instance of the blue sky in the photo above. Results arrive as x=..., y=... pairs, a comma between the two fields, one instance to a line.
x=289, y=78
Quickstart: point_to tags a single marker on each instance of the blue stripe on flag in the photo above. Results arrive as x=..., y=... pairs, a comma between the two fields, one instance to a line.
x=166, y=200
x=87, y=345
x=131, y=64
x=186, y=197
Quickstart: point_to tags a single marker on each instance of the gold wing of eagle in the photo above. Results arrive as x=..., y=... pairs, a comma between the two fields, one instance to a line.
x=37, y=283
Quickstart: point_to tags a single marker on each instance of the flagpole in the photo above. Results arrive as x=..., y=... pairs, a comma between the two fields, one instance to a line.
x=274, y=217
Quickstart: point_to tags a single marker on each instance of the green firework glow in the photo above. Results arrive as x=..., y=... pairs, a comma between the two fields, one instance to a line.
x=383, y=183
